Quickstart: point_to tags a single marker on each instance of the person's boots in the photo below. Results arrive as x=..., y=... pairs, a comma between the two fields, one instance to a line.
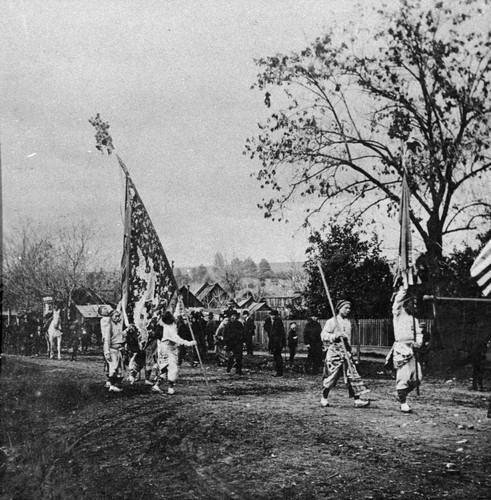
x=401, y=397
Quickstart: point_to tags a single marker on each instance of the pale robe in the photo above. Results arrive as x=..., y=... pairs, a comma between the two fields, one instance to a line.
x=167, y=351
x=404, y=361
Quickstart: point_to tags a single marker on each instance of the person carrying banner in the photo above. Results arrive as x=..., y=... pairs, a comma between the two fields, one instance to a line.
x=114, y=342
x=408, y=337
x=336, y=335
x=167, y=352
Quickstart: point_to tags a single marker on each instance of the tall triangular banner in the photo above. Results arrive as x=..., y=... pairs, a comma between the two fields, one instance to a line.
x=149, y=287
x=405, y=270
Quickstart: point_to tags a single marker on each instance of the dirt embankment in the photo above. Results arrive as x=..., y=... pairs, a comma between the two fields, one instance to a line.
x=256, y=437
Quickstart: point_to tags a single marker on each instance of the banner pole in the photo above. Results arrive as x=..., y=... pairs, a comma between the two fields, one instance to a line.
x=196, y=346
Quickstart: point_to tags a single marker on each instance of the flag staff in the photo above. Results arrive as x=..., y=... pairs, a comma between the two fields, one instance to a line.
x=181, y=303
x=332, y=309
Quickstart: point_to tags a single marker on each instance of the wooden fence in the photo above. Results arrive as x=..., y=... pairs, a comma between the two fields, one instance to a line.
x=366, y=332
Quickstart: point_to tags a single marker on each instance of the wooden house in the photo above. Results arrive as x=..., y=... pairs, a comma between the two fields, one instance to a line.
x=213, y=296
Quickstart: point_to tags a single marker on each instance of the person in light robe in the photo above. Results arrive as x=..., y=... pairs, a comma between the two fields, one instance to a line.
x=408, y=338
x=168, y=352
x=336, y=336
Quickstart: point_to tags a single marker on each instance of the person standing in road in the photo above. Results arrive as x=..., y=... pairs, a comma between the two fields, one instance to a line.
x=250, y=332
x=337, y=337
x=233, y=339
x=292, y=342
x=277, y=342
x=313, y=341
x=210, y=330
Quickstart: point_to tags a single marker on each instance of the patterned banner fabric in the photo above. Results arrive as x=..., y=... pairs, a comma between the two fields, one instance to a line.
x=481, y=270
x=405, y=241
x=148, y=284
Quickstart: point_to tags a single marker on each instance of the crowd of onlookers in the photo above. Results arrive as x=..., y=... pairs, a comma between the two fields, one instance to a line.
x=221, y=338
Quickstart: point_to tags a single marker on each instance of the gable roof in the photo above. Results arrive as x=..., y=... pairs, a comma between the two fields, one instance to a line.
x=189, y=298
x=259, y=306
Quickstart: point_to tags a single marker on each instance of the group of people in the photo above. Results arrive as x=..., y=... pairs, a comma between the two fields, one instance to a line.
x=329, y=350
x=159, y=348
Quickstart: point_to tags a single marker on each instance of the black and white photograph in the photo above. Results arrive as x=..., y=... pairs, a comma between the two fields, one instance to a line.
x=246, y=250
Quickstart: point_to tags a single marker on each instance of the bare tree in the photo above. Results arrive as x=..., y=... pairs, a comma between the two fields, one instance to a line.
x=41, y=261
x=229, y=275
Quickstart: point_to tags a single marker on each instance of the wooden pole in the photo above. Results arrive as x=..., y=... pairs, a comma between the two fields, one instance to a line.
x=332, y=308
x=455, y=299
x=196, y=346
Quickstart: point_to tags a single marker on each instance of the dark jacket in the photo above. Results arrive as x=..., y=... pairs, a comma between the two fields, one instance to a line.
x=250, y=327
x=233, y=336
x=312, y=333
x=277, y=336
x=292, y=337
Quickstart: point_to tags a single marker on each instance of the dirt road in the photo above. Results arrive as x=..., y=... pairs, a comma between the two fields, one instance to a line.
x=256, y=437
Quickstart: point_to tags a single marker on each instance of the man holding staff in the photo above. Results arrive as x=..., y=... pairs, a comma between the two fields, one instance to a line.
x=337, y=337
x=408, y=337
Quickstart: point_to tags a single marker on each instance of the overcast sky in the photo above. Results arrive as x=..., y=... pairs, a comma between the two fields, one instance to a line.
x=173, y=79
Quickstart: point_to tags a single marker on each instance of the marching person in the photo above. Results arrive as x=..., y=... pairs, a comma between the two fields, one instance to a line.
x=408, y=337
x=292, y=342
x=233, y=339
x=168, y=353
x=337, y=337
x=114, y=342
x=277, y=341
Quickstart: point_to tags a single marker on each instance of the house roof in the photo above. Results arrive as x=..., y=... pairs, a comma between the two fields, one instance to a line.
x=189, y=298
x=245, y=302
x=89, y=311
x=84, y=296
x=259, y=306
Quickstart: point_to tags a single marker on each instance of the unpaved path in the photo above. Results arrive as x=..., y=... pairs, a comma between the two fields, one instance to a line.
x=256, y=437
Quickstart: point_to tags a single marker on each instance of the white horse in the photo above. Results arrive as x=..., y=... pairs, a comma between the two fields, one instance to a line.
x=55, y=333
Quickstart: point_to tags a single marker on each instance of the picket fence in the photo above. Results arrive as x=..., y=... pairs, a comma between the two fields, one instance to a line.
x=365, y=332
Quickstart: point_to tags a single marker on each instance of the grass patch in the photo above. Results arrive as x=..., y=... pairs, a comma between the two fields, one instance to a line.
x=32, y=400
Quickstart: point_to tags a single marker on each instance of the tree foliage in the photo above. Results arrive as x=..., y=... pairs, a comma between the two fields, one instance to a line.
x=342, y=110
x=354, y=269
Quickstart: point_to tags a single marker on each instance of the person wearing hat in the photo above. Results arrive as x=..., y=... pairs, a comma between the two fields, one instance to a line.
x=233, y=339
x=408, y=336
x=336, y=335
x=277, y=342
